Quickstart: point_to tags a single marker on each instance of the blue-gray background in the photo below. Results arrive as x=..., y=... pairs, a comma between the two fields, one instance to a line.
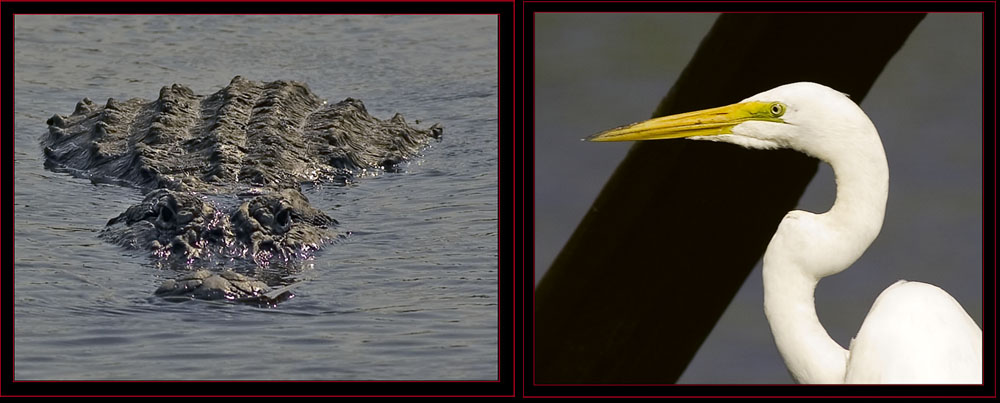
x=411, y=294
x=598, y=71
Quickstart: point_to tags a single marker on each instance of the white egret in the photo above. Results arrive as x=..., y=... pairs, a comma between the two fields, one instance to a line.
x=914, y=332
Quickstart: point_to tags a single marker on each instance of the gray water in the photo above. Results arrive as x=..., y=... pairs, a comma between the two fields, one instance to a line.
x=926, y=104
x=411, y=294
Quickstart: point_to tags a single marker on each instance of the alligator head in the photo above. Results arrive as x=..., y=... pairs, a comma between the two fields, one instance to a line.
x=184, y=231
x=175, y=224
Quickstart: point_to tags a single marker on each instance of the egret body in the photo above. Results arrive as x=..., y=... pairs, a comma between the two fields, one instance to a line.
x=914, y=332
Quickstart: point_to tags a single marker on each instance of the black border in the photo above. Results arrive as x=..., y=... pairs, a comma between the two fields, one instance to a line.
x=530, y=389
x=507, y=295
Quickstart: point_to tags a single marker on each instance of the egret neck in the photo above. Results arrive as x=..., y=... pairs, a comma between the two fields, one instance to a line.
x=808, y=247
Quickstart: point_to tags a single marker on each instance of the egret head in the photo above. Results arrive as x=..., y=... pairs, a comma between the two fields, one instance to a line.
x=807, y=117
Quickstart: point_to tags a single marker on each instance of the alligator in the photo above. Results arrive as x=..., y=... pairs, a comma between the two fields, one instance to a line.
x=222, y=176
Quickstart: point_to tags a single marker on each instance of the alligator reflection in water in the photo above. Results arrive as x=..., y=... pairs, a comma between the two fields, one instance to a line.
x=248, y=147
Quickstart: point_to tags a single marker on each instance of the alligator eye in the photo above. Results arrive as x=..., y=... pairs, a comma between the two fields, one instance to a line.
x=284, y=217
x=166, y=214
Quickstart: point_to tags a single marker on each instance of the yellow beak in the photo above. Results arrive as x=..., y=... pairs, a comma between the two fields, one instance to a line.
x=707, y=122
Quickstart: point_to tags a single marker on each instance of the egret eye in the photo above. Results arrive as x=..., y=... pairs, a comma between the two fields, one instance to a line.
x=777, y=109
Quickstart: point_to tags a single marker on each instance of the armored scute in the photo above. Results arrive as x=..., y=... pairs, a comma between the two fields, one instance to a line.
x=222, y=175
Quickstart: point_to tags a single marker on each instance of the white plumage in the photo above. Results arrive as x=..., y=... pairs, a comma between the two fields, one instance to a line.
x=915, y=332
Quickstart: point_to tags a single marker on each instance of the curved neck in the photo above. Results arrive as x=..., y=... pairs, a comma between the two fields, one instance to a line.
x=810, y=354
x=807, y=247
x=862, y=177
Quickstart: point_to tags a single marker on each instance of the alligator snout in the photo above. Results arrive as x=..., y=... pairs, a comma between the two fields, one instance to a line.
x=181, y=224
